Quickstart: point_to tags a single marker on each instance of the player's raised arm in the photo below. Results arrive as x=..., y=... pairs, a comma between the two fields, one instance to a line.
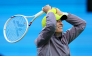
x=49, y=29
x=78, y=26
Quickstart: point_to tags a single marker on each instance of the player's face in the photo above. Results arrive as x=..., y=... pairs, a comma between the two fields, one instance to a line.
x=59, y=26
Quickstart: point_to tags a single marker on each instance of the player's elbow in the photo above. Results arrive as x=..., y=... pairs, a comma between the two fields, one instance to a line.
x=82, y=25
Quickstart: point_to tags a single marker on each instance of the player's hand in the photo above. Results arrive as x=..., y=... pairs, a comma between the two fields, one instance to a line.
x=59, y=12
x=62, y=14
x=46, y=8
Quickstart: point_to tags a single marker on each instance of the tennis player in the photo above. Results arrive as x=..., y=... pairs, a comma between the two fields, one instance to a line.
x=52, y=41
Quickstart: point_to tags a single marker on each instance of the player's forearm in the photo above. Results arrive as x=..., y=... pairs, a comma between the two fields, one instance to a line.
x=48, y=31
x=75, y=20
x=51, y=21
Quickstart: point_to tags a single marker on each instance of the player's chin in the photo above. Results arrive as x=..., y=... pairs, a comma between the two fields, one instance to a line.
x=60, y=31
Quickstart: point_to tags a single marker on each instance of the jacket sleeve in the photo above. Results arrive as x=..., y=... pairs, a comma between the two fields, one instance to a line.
x=47, y=31
x=78, y=27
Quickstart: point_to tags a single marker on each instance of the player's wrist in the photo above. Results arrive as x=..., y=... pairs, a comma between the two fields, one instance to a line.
x=64, y=16
x=65, y=13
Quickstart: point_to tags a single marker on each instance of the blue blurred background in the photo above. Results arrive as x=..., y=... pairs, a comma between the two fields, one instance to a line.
x=81, y=46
